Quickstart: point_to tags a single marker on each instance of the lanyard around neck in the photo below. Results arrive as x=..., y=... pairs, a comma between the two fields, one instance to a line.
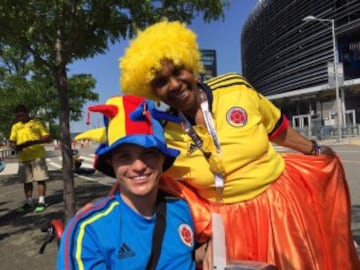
x=214, y=159
x=209, y=121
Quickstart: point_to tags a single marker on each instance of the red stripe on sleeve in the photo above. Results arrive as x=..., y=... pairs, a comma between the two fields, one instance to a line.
x=81, y=214
x=281, y=126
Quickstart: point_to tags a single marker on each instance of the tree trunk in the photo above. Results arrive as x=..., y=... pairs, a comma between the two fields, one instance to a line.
x=65, y=138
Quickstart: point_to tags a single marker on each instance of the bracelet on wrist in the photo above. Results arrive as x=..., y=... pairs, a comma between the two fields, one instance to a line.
x=316, y=148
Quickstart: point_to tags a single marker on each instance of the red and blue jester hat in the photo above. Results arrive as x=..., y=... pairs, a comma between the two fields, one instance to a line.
x=134, y=120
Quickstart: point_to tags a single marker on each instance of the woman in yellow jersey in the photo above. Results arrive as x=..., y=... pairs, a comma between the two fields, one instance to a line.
x=292, y=210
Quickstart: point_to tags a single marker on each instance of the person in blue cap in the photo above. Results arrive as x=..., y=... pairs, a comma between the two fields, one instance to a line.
x=138, y=227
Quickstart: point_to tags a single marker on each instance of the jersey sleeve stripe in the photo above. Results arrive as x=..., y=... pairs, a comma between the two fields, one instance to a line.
x=281, y=125
x=227, y=80
x=84, y=213
x=83, y=225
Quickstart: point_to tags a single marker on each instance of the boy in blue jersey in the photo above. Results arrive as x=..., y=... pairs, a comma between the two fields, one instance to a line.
x=117, y=232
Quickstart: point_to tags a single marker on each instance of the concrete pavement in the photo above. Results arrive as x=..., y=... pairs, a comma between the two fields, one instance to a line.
x=20, y=235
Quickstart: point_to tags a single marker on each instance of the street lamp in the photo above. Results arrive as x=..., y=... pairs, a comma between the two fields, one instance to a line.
x=338, y=102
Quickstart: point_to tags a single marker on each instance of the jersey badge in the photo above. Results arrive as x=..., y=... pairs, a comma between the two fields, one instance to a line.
x=237, y=117
x=186, y=234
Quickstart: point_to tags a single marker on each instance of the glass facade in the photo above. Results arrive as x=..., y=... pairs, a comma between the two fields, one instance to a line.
x=208, y=59
x=282, y=53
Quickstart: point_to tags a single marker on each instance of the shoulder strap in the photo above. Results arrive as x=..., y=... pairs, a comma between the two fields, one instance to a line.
x=158, y=235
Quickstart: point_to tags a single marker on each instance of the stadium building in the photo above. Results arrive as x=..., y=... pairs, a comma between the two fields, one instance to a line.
x=288, y=49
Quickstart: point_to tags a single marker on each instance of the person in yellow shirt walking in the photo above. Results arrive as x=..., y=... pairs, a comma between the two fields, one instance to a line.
x=27, y=137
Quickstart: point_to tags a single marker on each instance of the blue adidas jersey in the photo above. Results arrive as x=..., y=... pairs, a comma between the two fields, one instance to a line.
x=108, y=234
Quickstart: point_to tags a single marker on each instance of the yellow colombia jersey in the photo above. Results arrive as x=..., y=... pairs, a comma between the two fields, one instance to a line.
x=32, y=130
x=244, y=121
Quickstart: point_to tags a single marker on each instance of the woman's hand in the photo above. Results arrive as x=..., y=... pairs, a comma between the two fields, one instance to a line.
x=204, y=255
x=292, y=139
x=319, y=150
x=326, y=150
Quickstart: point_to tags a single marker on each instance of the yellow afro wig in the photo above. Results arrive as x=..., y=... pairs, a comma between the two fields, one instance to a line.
x=163, y=40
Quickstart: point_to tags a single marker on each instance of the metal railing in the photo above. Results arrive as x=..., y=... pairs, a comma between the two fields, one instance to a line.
x=5, y=152
x=330, y=132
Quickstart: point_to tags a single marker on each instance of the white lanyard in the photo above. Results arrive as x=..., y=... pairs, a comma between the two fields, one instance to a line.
x=219, y=178
x=209, y=121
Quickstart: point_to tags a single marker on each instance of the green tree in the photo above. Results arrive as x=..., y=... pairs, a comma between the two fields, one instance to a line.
x=21, y=83
x=58, y=32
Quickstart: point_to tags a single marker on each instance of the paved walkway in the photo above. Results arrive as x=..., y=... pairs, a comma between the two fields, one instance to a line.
x=20, y=235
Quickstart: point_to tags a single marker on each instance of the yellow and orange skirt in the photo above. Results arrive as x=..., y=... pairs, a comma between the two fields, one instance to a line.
x=302, y=221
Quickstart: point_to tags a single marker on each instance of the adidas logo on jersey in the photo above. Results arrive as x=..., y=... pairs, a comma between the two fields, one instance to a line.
x=125, y=252
x=192, y=149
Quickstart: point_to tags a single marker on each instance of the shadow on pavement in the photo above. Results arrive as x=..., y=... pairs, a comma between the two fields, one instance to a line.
x=20, y=234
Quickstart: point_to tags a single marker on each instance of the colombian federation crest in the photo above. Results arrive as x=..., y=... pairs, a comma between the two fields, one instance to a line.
x=186, y=235
x=237, y=117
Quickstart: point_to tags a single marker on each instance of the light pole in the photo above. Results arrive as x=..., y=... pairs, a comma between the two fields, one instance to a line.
x=338, y=102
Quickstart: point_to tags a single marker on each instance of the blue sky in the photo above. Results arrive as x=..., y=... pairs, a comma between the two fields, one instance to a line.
x=222, y=36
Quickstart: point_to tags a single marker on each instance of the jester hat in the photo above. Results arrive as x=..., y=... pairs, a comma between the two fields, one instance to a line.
x=131, y=120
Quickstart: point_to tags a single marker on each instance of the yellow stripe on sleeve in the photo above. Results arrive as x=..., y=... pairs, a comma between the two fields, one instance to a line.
x=82, y=232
